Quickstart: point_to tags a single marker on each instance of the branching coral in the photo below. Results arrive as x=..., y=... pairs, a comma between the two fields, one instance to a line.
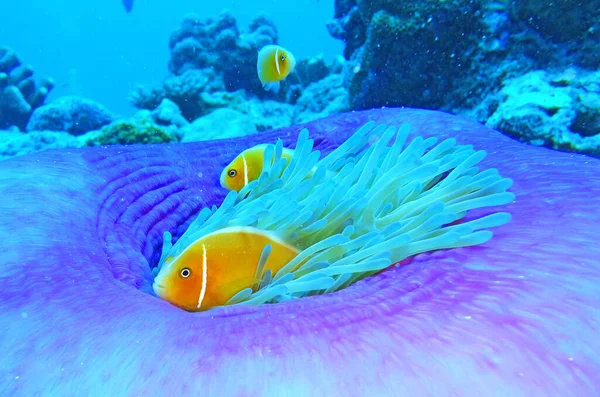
x=204, y=78
x=202, y=50
x=19, y=93
x=375, y=207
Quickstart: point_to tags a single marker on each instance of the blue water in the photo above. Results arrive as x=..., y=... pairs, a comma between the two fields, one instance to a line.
x=95, y=49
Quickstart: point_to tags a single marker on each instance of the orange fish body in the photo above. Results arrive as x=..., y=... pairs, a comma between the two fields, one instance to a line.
x=247, y=167
x=218, y=265
x=274, y=64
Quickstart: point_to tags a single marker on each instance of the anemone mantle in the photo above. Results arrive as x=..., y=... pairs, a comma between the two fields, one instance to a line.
x=81, y=230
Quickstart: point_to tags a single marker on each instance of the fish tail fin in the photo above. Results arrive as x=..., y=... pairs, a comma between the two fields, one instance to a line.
x=272, y=86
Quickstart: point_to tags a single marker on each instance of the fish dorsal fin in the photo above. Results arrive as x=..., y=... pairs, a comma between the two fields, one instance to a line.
x=277, y=60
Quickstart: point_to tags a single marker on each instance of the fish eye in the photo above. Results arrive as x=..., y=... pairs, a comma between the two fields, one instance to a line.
x=185, y=272
x=232, y=173
x=282, y=58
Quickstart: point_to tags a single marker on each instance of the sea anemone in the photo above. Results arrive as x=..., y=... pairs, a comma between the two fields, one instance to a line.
x=81, y=230
x=356, y=211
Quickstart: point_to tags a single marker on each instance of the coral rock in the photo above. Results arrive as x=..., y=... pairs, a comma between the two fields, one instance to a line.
x=207, y=56
x=128, y=132
x=73, y=114
x=168, y=113
x=16, y=143
x=221, y=123
x=19, y=93
x=185, y=90
x=322, y=98
x=549, y=110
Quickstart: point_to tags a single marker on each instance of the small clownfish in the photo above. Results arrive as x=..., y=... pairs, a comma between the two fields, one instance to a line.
x=274, y=64
x=219, y=265
x=247, y=167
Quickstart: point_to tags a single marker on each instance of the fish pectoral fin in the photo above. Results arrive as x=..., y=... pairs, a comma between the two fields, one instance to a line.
x=273, y=86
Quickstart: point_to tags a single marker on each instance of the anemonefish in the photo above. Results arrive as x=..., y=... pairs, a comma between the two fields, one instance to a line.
x=247, y=167
x=202, y=276
x=274, y=64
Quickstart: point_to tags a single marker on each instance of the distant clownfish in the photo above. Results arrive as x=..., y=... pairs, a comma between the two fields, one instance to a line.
x=202, y=277
x=274, y=64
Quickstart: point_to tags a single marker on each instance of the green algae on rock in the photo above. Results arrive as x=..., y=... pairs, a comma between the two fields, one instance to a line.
x=128, y=133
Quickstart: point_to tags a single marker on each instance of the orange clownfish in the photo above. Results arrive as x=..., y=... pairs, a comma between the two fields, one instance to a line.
x=247, y=167
x=274, y=64
x=218, y=265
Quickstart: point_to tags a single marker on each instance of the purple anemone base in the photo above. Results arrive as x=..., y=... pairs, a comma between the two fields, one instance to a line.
x=82, y=228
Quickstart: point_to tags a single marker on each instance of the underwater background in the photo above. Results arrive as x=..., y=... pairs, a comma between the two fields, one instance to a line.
x=118, y=117
x=525, y=68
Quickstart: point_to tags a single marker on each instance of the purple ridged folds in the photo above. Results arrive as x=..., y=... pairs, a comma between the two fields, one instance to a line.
x=81, y=230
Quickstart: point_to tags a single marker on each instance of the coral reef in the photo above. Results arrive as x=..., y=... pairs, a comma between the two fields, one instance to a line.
x=314, y=69
x=127, y=133
x=213, y=65
x=188, y=91
x=516, y=315
x=163, y=124
x=321, y=98
x=220, y=124
x=268, y=114
x=409, y=54
x=568, y=28
x=455, y=55
x=558, y=110
x=217, y=44
x=210, y=55
x=72, y=114
x=16, y=143
x=166, y=114
x=20, y=95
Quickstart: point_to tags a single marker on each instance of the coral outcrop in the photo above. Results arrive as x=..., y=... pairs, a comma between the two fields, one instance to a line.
x=16, y=143
x=208, y=56
x=557, y=110
x=127, y=133
x=163, y=124
x=213, y=66
x=570, y=29
x=73, y=114
x=456, y=55
x=218, y=44
x=322, y=98
x=20, y=94
x=406, y=53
